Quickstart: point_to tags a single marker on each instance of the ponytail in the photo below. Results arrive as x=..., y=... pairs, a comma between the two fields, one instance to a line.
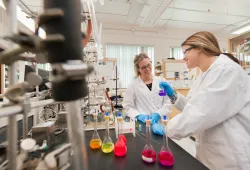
x=231, y=56
x=208, y=44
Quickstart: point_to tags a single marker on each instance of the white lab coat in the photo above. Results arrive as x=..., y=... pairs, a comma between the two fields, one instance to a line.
x=217, y=110
x=139, y=99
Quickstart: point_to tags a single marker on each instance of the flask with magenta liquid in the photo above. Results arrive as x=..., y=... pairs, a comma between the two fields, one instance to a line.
x=120, y=145
x=95, y=142
x=107, y=145
x=148, y=153
x=165, y=156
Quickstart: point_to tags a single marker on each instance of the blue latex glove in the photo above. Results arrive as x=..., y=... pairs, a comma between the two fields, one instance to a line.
x=142, y=118
x=155, y=117
x=158, y=129
x=169, y=90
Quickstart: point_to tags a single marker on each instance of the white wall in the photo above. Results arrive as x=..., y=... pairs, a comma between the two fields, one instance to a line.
x=162, y=41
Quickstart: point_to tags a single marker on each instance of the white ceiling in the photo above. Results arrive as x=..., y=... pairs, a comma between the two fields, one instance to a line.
x=219, y=16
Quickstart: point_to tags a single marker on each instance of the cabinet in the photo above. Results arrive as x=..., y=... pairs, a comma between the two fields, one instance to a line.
x=239, y=46
x=177, y=74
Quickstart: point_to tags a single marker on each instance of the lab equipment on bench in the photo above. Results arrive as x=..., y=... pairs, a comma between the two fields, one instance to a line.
x=165, y=156
x=44, y=131
x=120, y=145
x=95, y=142
x=127, y=127
x=57, y=160
x=107, y=145
x=148, y=153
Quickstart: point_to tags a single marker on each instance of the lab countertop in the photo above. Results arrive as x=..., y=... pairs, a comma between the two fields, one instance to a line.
x=97, y=160
x=133, y=161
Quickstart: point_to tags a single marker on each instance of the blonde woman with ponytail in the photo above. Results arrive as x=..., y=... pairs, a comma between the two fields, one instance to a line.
x=217, y=108
x=141, y=99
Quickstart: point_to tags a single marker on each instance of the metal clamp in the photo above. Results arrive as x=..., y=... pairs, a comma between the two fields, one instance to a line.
x=73, y=70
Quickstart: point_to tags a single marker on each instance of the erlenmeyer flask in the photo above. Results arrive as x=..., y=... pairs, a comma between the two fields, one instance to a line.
x=148, y=153
x=165, y=156
x=95, y=142
x=120, y=145
x=107, y=145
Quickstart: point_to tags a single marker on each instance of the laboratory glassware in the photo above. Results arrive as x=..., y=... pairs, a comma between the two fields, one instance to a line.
x=165, y=156
x=107, y=145
x=95, y=142
x=148, y=153
x=120, y=145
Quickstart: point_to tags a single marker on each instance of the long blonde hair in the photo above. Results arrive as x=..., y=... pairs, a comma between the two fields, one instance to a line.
x=137, y=60
x=207, y=43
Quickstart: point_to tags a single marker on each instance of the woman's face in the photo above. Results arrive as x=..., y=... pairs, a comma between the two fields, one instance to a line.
x=145, y=67
x=191, y=56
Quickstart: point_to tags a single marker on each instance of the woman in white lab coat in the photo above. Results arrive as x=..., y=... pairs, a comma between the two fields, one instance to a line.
x=217, y=108
x=141, y=98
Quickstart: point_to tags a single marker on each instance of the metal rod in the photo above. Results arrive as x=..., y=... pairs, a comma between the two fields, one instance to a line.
x=10, y=110
x=26, y=110
x=76, y=135
x=12, y=122
x=116, y=86
x=41, y=103
x=26, y=6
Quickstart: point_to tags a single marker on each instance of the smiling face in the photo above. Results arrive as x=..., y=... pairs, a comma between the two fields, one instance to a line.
x=191, y=56
x=145, y=67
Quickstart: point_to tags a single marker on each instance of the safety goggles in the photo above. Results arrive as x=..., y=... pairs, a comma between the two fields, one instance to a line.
x=149, y=65
x=188, y=49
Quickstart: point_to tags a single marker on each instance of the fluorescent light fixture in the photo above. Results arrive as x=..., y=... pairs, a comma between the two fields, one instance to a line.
x=2, y=5
x=135, y=10
x=242, y=29
x=28, y=22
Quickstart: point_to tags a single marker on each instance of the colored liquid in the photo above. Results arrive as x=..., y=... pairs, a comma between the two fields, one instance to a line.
x=166, y=158
x=162, y=93
x=122, y=137
x=95, y=143
x=107, y=147
x=149, y=156
x=120, y=148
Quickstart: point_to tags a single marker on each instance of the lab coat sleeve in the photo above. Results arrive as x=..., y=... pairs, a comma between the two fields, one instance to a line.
x=129, y=102
x=166, y=107
x=217, y=101
x=180, y=102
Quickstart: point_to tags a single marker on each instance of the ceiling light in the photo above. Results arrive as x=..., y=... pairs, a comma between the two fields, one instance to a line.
x=242, y=29
x=2, y=5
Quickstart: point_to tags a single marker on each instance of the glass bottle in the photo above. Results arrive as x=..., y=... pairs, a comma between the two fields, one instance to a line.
x=165, y=156
x=120, y=145
x=148, y=153
x=162, y=92
x=95, y=142
x=107, y=145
